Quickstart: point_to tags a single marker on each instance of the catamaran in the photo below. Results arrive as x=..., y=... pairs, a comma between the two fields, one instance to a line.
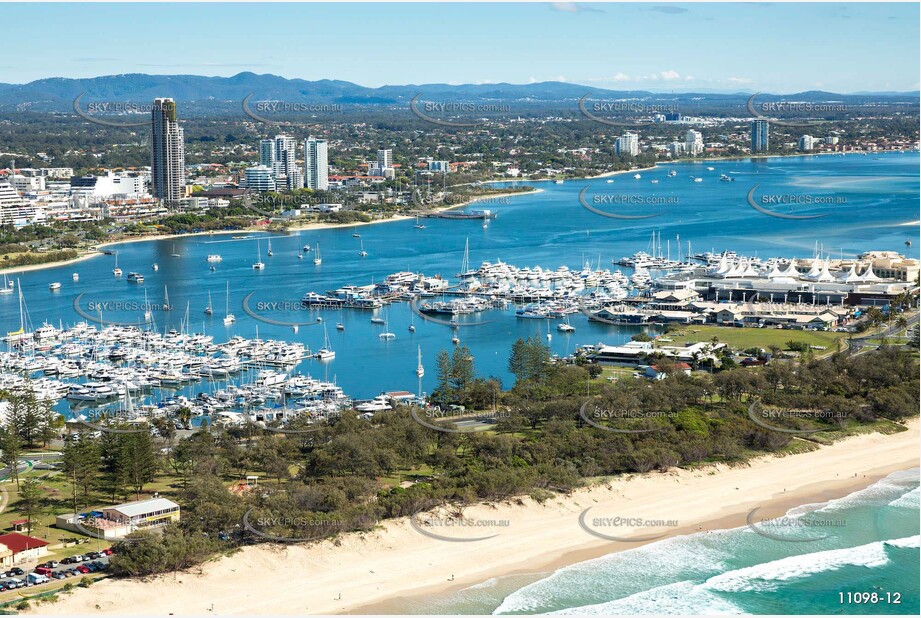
x=361, y=253
x=116, y=271
x=317, y=260
x=419, y=226
x=175, y=253
x=7, y=286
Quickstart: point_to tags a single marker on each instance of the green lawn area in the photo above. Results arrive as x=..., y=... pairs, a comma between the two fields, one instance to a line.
x=742, y=338
x=412, y=475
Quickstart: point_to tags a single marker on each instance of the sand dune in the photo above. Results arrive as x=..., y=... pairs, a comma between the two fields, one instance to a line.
x=361, y=570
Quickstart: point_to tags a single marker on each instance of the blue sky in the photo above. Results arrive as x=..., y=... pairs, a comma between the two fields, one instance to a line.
x=773, y=47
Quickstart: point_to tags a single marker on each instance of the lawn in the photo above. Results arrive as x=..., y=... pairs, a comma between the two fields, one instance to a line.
x=742, y=338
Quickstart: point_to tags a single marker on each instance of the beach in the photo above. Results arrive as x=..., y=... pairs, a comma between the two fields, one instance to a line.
x=362, y=572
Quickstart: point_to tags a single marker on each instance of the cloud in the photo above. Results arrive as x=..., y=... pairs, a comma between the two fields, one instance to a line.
x=738, y=80
x=573, y=7
x=669, y=75
x=668, y=9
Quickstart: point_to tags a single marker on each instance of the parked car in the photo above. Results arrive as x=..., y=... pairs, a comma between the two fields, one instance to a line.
x=36, y=578
x=93, y=555
x=58, y=575
x=17, y=571
x=83, y=569
x=108, y=551
x=42, y=570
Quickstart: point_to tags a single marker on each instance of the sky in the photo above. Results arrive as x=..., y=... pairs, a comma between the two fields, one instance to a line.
x=727, y=47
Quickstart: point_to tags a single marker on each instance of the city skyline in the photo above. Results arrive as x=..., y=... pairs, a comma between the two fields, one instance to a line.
x=739, y=58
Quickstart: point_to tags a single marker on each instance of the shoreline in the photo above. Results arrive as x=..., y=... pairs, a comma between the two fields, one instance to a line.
x=374, y=571
x=97, y=249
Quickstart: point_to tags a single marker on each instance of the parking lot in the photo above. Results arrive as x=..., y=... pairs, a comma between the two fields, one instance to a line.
x=72, y=567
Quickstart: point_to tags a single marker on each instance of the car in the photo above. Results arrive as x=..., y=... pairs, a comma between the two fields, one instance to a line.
x=58, y=575
x=66, y=573
x=42, y=570
x=17, y=571
x=52, y=564
x=67, y=560
x=83, y=569
x=108, y=551
x=93, y=555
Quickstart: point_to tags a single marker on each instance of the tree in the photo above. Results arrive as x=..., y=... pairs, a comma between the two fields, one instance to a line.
x=30, y=501
x=11, y=445
x=80, y=464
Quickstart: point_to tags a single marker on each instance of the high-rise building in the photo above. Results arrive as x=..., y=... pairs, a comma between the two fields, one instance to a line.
x=167, y=152
x=439, y=166
x=316, y=164
x=384, y=158
x=627, y=144
x=760, y=135
x=694, y=142
x=285, y=164
x=267, y=153
x=260, y=178
x=806, y=143
x=676, y=149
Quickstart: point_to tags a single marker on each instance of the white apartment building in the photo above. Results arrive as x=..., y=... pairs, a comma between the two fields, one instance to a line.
x=694, y=142
x=627, y=144
x=316, y=164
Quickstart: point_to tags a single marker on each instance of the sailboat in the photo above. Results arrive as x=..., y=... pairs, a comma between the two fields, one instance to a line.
x=387, y=334
x=259, y=264
x=566, y=327
x=116, y=271
x=229, y=318
x=209, y=309
x=419, y=226
x=148, y=314
x=362, y=253
x=16, y=335
x=270, y=248
x=420, y=370
x=412, y=321
x=7, y=286
x=317, y=260
x=175, y=253
x=326, y=352
x=166, y=305
x=339, y=324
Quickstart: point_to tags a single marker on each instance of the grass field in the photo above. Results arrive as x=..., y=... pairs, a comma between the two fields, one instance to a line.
x=742, y=338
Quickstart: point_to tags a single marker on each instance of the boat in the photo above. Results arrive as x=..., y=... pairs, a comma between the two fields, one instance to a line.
x=387, y=335
x=710, y=169
x=306, y=248
x=672, y=173
x=116, y=271
x=698, y=180
x=135, y=277
x=175, y=253
x=229, y=318
x=317, y=260
x=419, y=226
x=259, y=264
x=361, y=253
x=214, y=258
x=725, y=178
x=54, y=286
x=356, y=235
x=209, y=310
x=420, y=370
x=340, y=326
x=655, y=182
x=557, y=182
x=455, y=340
x=609, y=181
x=566, y=328
x=8, y=286
x=326, y=352
x=155, y=267
x=166, y=305
x=270, y=248
x=637, y=176
x=300, y=256
x=76, y=277
x=376, y=320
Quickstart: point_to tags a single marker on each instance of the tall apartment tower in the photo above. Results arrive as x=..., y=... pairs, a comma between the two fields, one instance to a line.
x=267, y=153
x=316, y=164
x=384, y=158
x=167, y=152
x=760, y=135
x=286, y=162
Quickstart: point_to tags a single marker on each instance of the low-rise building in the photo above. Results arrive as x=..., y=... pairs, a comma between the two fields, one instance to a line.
x=17, y=548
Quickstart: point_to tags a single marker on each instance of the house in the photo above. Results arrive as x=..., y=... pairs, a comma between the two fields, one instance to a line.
x=17, y=548
x=658, y=373
x=114, y=522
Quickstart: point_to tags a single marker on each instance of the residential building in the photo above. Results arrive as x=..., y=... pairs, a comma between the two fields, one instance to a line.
x=676, y=149
x=260, y=178
x=694, y=142
x=167, y=152
x=627, y=144
x=438, y=166
x=316, y=164
x=267, y=153
x=760, y=130
x=287, y=172
x=17, y=548
x=806, y=143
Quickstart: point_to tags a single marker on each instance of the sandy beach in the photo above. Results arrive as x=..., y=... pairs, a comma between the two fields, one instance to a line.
x=360, y=573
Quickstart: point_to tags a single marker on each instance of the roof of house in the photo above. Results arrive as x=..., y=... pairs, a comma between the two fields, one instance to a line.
x=141, y=507
x=18, y=543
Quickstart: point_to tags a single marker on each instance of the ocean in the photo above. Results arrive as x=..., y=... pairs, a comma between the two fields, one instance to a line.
x=866, y=542
x=874, y=197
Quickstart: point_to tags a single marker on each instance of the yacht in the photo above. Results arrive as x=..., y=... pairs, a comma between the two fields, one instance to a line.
x=710, y=169
x=419, y=226
x=306, y=249
x=698, y=180
x=672, y=173
x=655, y=182
x=557, y=182
x=91, y=391
x=326, y=352
x=155, y=267
x=76, y=277
x=175, y=253
x=7, y=287
x=725, y=178
x=259, y=264
x=229, y=318
x=340, y=326
x=214, y=258
x=566, y=328
x=116, y=271
x=209, y=310
x=135, y=277
x=387, y=336
x=361, y=253
x=270, y=248
x=356, y=235
x=380, y=403
x=317, y=260
x=637, y=176
x=420, y=370
x=54, y=286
